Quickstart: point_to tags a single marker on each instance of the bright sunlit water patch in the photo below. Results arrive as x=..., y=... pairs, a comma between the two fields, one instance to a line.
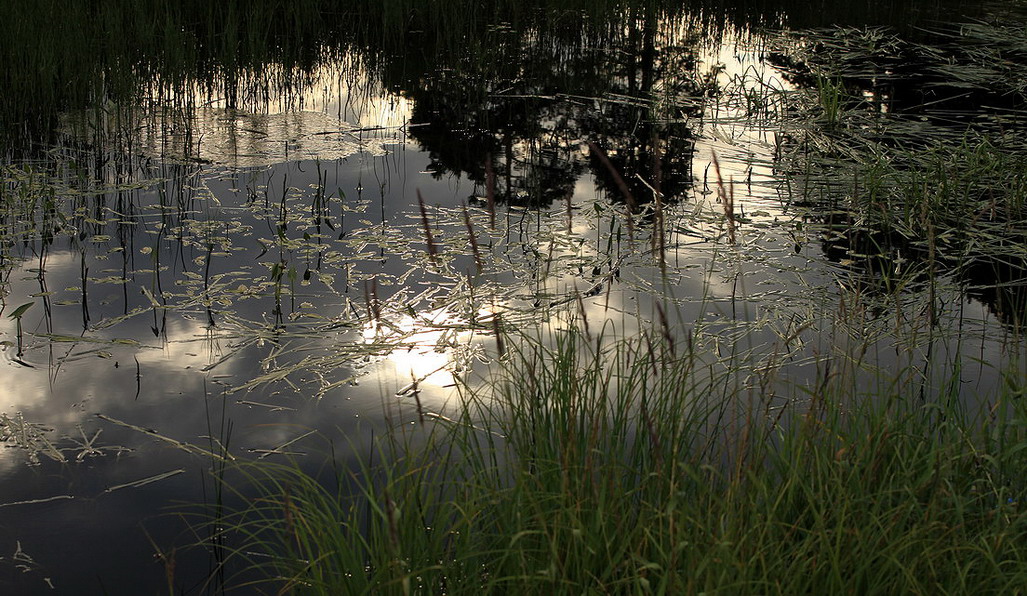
x=431, y=347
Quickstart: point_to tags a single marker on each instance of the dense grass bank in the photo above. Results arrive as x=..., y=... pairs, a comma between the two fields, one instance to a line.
x=637, y=469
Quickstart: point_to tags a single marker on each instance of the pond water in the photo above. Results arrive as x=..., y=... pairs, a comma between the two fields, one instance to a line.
x=281, y=254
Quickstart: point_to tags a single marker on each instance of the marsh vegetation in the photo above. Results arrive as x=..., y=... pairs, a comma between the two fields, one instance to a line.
x=424, y=297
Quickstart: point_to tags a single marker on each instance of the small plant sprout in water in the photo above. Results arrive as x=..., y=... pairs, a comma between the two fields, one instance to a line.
x=830, y=93
x=17, y=315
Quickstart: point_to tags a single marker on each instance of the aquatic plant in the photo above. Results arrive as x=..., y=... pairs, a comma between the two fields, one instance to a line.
x=624, y=468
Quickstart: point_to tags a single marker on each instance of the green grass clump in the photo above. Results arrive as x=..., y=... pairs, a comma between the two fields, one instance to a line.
x=635, y=469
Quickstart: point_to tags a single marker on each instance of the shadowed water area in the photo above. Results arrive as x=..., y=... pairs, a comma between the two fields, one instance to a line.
x=248, y=231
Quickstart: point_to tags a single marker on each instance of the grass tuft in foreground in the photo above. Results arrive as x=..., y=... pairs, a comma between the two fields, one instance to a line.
x=635, y=469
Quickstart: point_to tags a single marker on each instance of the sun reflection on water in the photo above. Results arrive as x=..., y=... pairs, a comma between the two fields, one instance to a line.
x=431, y=348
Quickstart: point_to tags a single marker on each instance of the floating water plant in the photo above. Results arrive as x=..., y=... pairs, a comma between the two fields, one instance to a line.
x=16, y=315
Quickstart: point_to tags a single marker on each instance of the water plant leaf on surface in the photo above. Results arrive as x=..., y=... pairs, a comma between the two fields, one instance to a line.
x=18, y=312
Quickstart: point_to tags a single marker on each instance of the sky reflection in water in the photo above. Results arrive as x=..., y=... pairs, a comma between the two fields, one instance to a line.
x=231, y=275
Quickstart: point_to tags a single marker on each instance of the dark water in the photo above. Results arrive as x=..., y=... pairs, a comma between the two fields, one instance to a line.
x=225, y=253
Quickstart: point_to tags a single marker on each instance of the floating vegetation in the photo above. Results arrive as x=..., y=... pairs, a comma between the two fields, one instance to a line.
x=447, y=251
x=37, y=440
x=31, y=437
x=904, y=186
x=145, y=481
x=23, y=563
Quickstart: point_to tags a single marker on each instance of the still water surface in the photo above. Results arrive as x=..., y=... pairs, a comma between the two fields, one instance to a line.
x=251, y=272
